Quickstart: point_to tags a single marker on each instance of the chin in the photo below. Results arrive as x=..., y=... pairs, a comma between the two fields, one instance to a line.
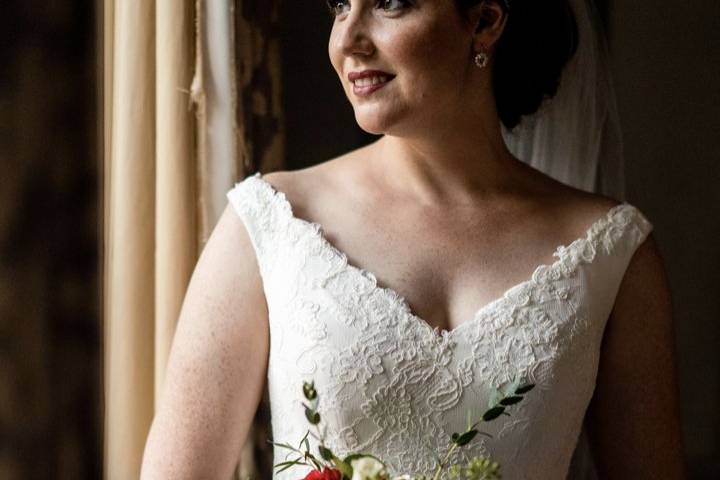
x=392, y=129
x=376, y=123
x=369, y=125
x=372, y=129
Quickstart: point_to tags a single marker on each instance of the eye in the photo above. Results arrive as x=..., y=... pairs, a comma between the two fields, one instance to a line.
x=337, y=7
x=392, y=5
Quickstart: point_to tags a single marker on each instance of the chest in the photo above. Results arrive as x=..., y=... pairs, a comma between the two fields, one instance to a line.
x=445, y=263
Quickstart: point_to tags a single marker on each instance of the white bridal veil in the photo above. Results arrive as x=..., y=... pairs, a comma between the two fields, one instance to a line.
x=576, y=138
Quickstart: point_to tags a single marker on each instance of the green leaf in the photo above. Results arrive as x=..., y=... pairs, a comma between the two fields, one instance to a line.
x=524, y=389
x=289, y=464
x=344, y=467
x=314, y=460
x=493, y=413
x=325, y=453
x=309, y=390
x=304, y=439
x=312, y=416
x=465, y=438
x=507, y=401
x=284, y=445
x=284, y=468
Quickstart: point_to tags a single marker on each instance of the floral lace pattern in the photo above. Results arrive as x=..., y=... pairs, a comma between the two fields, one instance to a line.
x=394, y=386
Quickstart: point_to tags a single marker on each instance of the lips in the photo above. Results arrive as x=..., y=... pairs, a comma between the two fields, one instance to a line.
x=352, y=76
x=368, y=81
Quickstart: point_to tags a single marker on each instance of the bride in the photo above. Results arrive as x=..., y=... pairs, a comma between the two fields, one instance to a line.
x=410, y=276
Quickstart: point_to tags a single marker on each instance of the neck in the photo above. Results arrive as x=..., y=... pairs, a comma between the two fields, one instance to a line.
x=466, y=158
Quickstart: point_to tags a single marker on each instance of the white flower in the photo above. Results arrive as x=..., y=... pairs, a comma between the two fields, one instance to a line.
x=367, y=468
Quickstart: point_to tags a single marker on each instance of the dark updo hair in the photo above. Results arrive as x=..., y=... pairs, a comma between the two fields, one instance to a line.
x=540, y=38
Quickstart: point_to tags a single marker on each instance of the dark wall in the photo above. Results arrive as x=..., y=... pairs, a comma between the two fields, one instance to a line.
x=49, y=322
x=320, y=123
x=667, y=65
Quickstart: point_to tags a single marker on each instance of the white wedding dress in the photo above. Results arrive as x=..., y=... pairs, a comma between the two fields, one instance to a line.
x=391, y=385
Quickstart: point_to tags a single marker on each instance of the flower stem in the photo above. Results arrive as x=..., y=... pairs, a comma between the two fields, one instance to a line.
x=442, y=463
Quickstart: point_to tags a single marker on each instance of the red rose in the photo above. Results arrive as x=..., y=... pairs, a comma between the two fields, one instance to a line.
x=326, y=474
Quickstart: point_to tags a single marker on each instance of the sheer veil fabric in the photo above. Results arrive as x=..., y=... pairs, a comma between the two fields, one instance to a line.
x=576, y=138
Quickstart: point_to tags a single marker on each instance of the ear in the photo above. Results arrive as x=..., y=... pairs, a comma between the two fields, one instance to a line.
x=488, y=19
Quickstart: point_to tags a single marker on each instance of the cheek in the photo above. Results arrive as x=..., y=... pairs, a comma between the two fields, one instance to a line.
x=332, y=50
x=426, y=56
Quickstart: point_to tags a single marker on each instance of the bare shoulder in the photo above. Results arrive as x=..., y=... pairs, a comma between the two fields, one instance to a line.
x=588, y=207
x=295, y=182
x=568, y=208
x=300, y=187
x=321, y=184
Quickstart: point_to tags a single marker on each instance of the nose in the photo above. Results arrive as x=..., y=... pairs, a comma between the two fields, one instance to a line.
x=354, y=37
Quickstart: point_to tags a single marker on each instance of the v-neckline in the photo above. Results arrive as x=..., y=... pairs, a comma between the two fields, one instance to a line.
x=595, y=227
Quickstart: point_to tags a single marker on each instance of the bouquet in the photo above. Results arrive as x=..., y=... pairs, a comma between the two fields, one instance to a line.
x=364, y=466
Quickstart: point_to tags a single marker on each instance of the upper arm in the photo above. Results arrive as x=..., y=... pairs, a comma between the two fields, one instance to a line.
x=217, y=363
x=634, y=416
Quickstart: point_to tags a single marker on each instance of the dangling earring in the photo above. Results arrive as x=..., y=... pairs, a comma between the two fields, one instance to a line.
x=482, y=59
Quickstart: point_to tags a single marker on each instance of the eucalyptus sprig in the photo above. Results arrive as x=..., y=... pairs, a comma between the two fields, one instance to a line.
x=498, y=405
x=327, y=457
x=478, y=468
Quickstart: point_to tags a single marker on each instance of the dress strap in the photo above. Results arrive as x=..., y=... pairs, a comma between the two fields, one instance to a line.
x=262, y=216
x=618, y=240
x=627, y=230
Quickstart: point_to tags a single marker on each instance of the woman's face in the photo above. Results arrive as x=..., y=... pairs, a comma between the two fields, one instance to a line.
x=424, y=46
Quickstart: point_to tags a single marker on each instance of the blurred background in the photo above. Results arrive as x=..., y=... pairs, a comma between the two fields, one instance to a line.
x=50, y=349
x=666, y=66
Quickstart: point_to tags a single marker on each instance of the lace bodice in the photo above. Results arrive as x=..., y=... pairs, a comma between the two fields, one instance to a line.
x=391, y=385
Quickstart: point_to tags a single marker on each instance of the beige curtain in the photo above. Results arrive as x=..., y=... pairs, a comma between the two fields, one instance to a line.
x=130, y=234
x=185, y=114
x=151, y=238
